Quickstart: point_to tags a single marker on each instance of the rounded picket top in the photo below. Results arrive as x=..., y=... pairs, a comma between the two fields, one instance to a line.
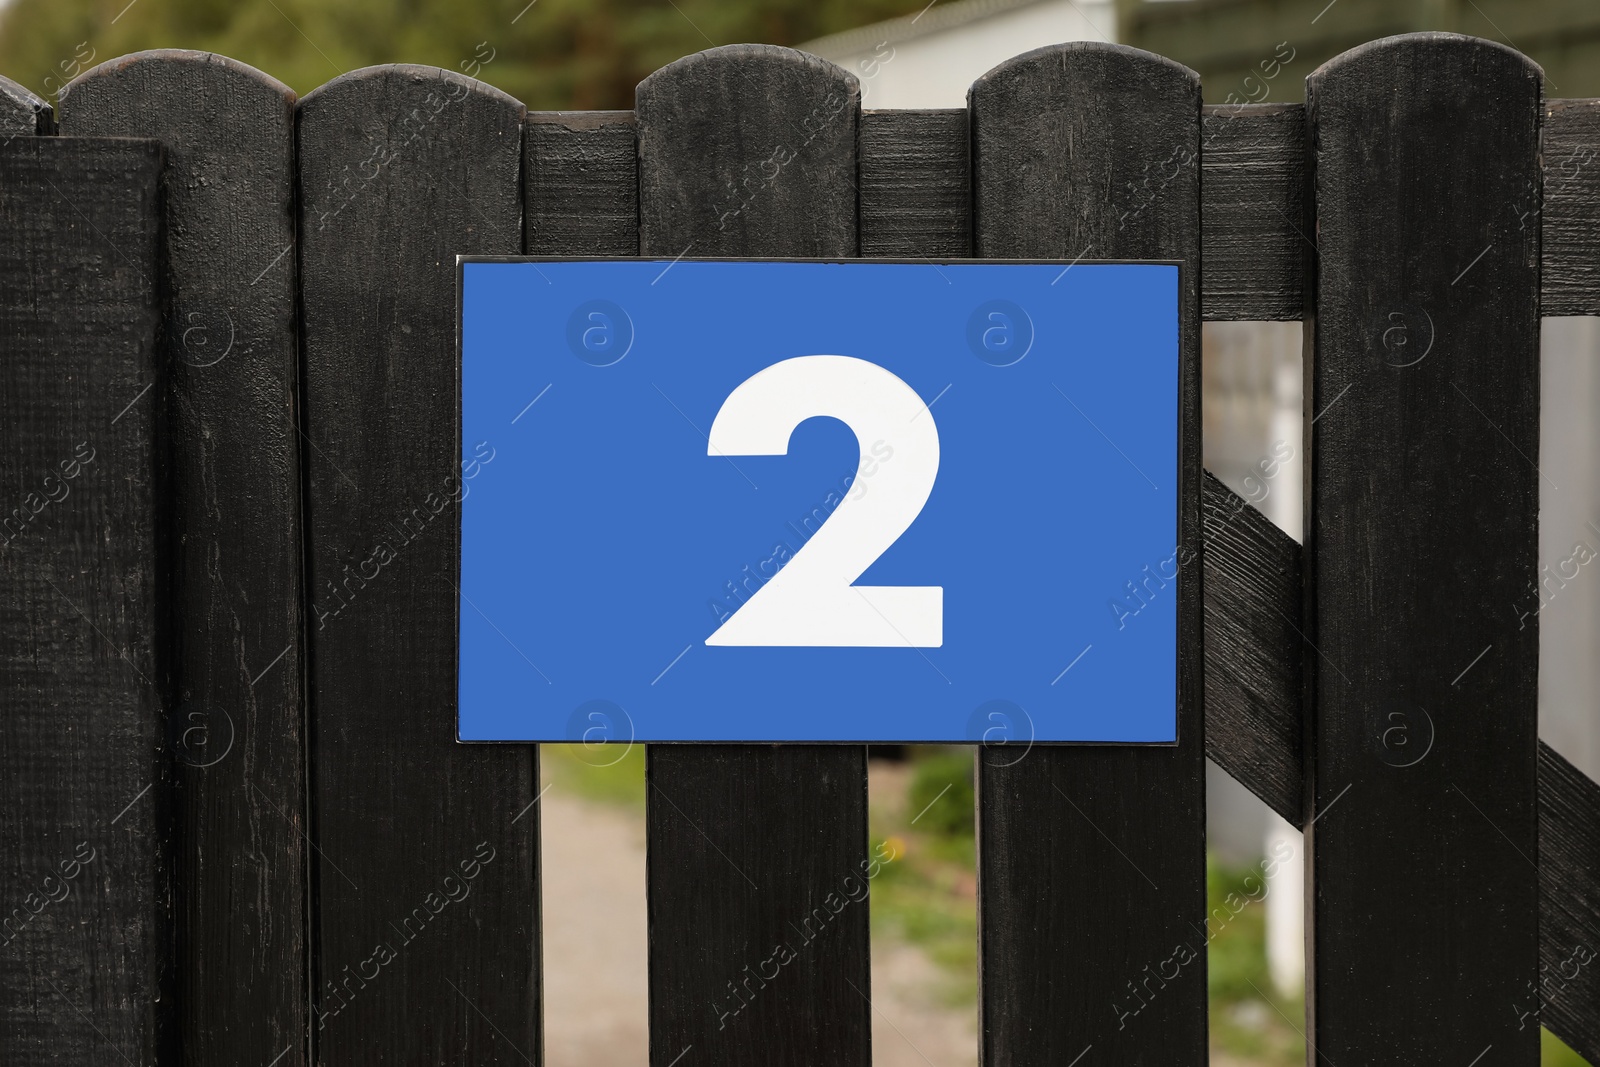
x=740, y=143
x=1083, y=63
x=174, y=81
x=1469, y=65
x=1409, y=128
x=390, y=85
x=356, y=130
x=22, y=111
x=1129, y=122
x=750, y=69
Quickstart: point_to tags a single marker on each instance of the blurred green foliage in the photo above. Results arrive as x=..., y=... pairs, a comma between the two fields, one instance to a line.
x=550, y=54
x=941, y=797
x=1554, y=1053
x=611, y=774
x=1250, y=1020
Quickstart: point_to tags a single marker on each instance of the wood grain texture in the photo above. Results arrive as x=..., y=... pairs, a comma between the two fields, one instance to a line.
x=1571, y=217
x=1565, y=997
x=1421, y=540
x=23, y=112
x=1253, y=671
x=85, y=845
x=750, y=151
x=916, y=192
x=1254, y=235
x=580, y=179
x=427, y=913
x=1253, y=650
x=1091, y=860
x=237, y=734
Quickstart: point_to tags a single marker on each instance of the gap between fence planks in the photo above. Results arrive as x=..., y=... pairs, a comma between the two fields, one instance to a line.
x=23, y=114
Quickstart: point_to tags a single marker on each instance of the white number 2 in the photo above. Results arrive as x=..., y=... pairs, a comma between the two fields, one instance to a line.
x=812, y=600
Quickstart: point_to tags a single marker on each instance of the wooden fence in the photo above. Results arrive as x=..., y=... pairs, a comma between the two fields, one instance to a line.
x=237, y=827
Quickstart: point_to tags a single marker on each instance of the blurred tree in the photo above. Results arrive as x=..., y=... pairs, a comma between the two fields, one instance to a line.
x=551, y=54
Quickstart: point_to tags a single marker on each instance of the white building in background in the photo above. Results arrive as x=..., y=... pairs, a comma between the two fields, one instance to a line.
x=1252, y=400
x=928, y=59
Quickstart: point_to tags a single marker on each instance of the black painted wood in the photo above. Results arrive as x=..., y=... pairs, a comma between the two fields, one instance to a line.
x=1253, y=727
x=1257, y=239
x=916, y=189
x=578, y=179
x=1570, y=221
x=23, y=112
x=580, y=184
x=1422, y=536
x=427, y=943
x=1092, y=859
x=1254, y=233
x=751, y=150
x=236, y=736
x=1253, y=650
x=85, y=847
x=1565, y=996
x=748, y=150
x=1253, y=730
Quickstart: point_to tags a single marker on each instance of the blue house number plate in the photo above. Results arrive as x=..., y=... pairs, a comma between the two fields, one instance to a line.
x=819, y=501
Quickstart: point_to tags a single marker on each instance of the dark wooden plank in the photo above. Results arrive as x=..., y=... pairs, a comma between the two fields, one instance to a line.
x=1423, y=510
x=750, y=151
x=1571, y=217
x=1253, y=230
x=746, y=150
x=580, y=184
x=1252, y=731
x=22, y=112
x=916, y=192
x=1253, y=650
x=85, y=847
x=237, y=729
x=1256, y=240
x=426, y=926
x=1065, y=138
x=1253, y=671
x=1565, y=996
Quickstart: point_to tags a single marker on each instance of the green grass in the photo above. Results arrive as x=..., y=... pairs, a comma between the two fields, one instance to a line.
x=1553, y=1053
x=610, y=774
x=1249, y=1019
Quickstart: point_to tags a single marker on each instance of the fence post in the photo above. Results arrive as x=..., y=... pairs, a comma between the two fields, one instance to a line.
x=236, y=728
x=427, y=944
x=1422, y=395
x=85, y=962
x=1091, y=859
x=750, y=150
